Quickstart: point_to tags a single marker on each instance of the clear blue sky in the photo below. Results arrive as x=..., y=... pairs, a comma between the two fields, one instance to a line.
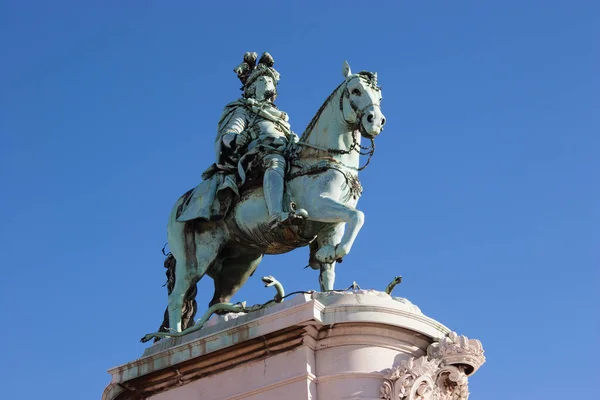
x=483, y=192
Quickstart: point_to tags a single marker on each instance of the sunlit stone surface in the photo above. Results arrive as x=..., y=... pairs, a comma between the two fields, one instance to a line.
x=335, y=345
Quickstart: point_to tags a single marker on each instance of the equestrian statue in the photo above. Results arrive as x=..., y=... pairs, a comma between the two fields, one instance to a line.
x=270, y=191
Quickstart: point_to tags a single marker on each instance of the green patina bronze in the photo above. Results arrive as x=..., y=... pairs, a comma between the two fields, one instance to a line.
x=270, y=191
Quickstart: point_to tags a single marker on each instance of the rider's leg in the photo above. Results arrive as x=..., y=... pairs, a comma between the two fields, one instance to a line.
x=273, y=187
x=273, y=184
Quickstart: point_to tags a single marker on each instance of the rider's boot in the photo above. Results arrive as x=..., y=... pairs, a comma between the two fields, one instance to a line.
x=273, y=187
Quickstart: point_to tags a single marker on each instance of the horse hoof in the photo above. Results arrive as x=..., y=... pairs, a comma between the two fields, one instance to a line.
x=326, y=254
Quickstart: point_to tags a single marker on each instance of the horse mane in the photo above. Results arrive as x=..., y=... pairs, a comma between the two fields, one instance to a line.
x=364, y=74
x=314, y=119
x=369, y=75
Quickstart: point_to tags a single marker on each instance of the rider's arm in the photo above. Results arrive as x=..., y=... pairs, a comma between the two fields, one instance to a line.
x=234, y=127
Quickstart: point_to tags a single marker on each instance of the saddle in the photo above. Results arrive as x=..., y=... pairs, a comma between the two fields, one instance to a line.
x=214, y=198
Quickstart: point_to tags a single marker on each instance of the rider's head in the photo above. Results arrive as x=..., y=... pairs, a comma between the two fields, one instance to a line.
x=260, y=81
x=263, y=88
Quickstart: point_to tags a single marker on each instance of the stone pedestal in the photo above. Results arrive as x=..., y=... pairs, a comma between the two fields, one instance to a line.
x=326, y=346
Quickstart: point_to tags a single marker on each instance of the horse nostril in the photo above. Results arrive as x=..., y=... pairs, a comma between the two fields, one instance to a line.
x=382, y=121
x=370, y=118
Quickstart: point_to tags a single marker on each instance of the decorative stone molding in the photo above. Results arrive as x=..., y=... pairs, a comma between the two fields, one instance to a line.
x=412, y=379
x=327, y=345
x=406, y=304
x=458, y=350
x=441, y=375
x=451, y=384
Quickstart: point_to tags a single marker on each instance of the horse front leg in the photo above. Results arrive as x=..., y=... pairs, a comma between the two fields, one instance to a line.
x=328, y=236
x=326, y=209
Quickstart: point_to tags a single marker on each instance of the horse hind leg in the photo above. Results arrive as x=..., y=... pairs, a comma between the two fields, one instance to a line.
x=208, y=245
x=234, y=273
x=170, y=266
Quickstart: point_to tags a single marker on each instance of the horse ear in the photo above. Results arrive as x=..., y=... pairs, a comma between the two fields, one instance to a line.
x=346, y=71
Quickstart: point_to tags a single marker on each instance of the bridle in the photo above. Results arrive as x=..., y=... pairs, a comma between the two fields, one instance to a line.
x=360, y=112
x=355, y=126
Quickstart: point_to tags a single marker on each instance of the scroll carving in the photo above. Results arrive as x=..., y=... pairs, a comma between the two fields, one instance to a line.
x=441, y=375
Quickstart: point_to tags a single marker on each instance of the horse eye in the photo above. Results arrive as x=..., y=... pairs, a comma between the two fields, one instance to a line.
x=356, y=92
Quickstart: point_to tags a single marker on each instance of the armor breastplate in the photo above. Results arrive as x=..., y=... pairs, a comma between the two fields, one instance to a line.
x=265, y=128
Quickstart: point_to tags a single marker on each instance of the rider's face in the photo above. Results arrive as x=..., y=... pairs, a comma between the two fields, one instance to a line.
x=264, y=88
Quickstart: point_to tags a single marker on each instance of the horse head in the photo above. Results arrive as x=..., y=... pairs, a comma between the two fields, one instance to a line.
x=360, y=102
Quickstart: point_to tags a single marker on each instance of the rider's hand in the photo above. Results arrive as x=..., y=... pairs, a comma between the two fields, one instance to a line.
x=294, y=138
x=241, y=140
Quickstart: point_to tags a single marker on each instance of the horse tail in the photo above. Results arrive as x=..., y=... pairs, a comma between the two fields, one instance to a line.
x=169, y=264
x=189, y=301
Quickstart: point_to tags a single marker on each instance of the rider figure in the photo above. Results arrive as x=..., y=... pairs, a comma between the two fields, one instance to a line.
x=253, y=132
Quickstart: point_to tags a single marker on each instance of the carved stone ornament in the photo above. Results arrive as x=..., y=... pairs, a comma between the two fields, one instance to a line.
x=441, y=375
x=458, y=350
x=412, y=379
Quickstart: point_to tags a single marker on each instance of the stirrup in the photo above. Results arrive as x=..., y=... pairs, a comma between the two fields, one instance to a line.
x=298, y=212
x=294, y=217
